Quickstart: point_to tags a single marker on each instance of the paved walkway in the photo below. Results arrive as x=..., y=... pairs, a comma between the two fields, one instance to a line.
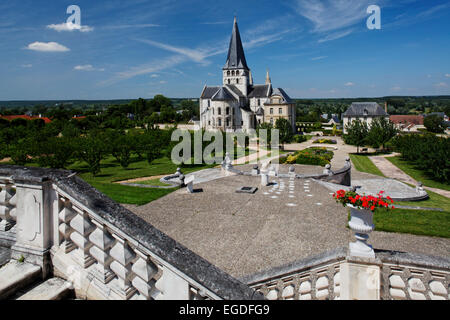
x=392, y=171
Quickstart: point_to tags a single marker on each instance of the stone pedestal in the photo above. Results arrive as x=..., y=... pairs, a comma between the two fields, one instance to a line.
x=264, y=179
x=34, y=223
x=361, y=224
x=360, y=281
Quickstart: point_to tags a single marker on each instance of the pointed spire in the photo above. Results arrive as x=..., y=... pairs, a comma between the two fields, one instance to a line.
x=236, y=56
x=268, y=81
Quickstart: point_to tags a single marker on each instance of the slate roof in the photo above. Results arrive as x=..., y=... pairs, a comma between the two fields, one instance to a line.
x=236, y=56
x=223, y=95
x=260, y=112
x=235, y=90
x=360, y=109
x=260, y=91
x=209, y=92
x=283, y=94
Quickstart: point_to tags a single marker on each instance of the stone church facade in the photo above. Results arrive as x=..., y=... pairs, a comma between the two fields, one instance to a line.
x=239, y=104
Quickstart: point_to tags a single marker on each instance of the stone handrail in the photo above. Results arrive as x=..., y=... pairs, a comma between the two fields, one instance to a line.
x=316, y=278
x=58, y=221
x=336, y=275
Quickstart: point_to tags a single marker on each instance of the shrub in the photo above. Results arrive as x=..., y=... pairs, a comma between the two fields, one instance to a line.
x=311, y=156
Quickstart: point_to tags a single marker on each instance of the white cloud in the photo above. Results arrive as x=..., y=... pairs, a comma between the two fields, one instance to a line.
x=163, y=82
x=319, y=58
x=330, y=15
x=335, y=36
x=69, y=26
x=447, y=75
x=396, y=88
x=154, y=76
x=87, y=67
x=27, y=66
x=47, y=47
x=349, y=84
x=441, y=85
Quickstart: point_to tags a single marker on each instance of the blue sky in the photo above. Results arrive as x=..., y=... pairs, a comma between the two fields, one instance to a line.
x=138, y=48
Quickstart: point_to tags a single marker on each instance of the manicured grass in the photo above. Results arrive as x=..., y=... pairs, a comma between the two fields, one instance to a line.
x=130, y=195
x=112, y=172
x=363, y=164
x=435, y=201
x=417, y=222
x=417, y=174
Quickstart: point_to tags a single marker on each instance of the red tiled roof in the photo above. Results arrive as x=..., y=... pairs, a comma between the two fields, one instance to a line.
x=406, y=119
x=25, y=117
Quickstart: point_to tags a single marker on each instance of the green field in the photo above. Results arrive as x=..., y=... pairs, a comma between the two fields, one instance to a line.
x=417, y=174
x=363, y=164
x=418, y=222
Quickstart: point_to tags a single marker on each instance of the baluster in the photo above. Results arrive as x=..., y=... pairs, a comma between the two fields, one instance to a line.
x=102, y=241
x=121, y=266
x=7, y=209
x=82, y=229
x=145, y=270
x=65, y=216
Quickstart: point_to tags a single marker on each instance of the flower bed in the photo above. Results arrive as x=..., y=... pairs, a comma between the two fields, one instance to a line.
x=311, y=156
x=325, y=141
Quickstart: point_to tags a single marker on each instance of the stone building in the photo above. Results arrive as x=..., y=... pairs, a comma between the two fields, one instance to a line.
x=239, y=104
x=364, y=111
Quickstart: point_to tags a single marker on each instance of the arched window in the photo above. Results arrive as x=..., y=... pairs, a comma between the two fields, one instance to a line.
x=271, y=121
x=237, y=81
x=228, y=73
x=229, y=81
x=232, y=73
x=219, y=121
x=259, y=102
x=219, y=111
x=228, y=110
x=228, y=122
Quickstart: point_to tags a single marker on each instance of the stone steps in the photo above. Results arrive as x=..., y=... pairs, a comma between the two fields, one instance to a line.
x=15, y=276
x=51, y=289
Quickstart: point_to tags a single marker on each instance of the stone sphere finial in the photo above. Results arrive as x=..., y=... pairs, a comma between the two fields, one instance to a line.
x=328, y=166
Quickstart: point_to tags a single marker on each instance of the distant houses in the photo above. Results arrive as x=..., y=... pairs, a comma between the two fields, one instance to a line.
x=363, y=111
x=408, y=123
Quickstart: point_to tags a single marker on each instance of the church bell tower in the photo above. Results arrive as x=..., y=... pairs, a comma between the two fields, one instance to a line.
x=236, y=72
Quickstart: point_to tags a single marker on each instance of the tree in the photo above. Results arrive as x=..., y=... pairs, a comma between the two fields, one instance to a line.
x=381, y=131
x=356, y=134
x=55, y=152
x=285, y=128
x=264, y=139
x=434, y=124
x=92, y=149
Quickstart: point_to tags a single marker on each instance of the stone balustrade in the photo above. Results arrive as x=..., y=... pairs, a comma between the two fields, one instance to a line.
x=335, y=275
x=75, y=232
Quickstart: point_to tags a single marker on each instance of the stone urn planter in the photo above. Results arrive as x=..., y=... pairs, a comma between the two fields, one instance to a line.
x=361, y=223
x=361, y=213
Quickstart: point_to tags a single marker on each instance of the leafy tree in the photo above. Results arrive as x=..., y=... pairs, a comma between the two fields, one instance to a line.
x=92, y=149
x=357, y=132
x=19, y=152
x=55, y=152
x=285, y=128
x=381, y=131
x=121, y=149
x=264, y=126
x=434, y=124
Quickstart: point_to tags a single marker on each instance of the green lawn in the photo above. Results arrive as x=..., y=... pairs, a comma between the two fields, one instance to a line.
x=363, y=164
x=417, y=174
x=426, y=223
x=435, y=201
x=153, y=182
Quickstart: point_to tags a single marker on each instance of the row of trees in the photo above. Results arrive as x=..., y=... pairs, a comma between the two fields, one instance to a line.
x=427, y=152
x=359, y=134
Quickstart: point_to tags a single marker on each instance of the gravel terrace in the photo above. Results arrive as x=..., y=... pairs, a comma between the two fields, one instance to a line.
x=247, y=233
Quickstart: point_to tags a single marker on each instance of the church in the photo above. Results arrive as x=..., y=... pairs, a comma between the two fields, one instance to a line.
x=239, y=104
